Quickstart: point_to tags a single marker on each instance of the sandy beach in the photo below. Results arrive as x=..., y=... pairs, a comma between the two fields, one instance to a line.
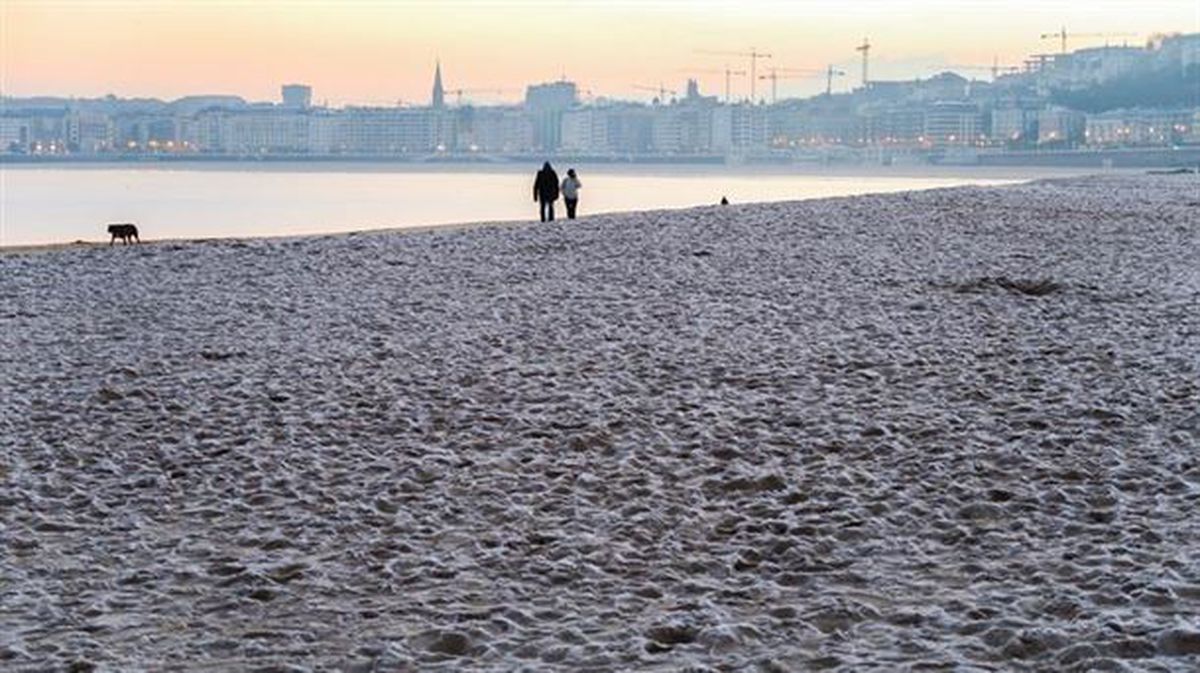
x=955, y=429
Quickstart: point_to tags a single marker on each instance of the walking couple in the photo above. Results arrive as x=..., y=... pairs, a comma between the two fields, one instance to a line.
x=546, y=189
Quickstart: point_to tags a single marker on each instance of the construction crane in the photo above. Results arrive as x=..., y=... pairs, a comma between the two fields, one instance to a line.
x=830, y=73
x=1062, y=34
x=585, y=90
x=661, y=90
x=865, y=48
x=790, y=73
x=458, y=93
x=753, y=55
x=727, y=72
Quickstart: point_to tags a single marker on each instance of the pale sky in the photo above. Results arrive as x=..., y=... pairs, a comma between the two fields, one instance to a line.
x=381, y=51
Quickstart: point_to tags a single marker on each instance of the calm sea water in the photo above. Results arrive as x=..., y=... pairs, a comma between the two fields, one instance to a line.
x=60, y=204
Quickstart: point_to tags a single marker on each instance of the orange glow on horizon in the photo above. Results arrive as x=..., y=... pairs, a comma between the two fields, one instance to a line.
x=373, y=51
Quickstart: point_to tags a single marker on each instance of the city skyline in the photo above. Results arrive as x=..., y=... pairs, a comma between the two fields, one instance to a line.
x=362, y=52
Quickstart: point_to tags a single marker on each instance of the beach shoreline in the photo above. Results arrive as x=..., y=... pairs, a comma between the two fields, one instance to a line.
x=216, y=240
x=422, y=228
x=185, y=203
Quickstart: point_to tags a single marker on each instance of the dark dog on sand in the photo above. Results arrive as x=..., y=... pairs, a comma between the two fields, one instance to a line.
x=125, y=232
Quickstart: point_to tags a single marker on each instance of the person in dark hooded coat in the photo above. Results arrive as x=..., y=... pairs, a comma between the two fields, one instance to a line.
x=545, y=191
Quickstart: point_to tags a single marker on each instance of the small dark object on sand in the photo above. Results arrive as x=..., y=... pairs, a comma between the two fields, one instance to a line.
x=1034, y=288
x=125, y=232
x=724, y=201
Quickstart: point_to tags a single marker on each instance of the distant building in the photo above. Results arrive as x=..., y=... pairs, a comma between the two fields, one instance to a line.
x=585, y=131
x=1134, y=128
x=386, y=131
x=297, y=96
x=190, y=105
x=830, y=124
x=438, y=99
x=202, y=132
x=615, y=129
x=1060, y=126
x=36, y=130
x=1181, y=50
x=630, y=129
x=694, y=96
x=953, y=123
x=552, y=96
x=494, y=129
x=1088, y=67
x=143, y=132
x=784, y=123
x=322, y=132
x=738, y=128
x=264, y=132
x=547, y=103
x=946, y=86
x=893, y=124
x=444, y=124
x=888, y=90
x=14, y=135
x=90, y=133
x=1014, y=126
x=685, y=127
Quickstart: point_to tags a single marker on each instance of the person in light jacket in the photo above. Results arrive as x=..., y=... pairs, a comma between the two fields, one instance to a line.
x=570, y=191
x=545, y=191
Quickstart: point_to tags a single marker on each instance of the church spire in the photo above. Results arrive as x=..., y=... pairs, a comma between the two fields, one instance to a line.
x=439, y=94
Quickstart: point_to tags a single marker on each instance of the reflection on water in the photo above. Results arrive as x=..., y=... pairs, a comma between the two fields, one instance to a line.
x=66, y=203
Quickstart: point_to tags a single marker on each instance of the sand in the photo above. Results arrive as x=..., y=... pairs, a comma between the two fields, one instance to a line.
x=946, y=430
